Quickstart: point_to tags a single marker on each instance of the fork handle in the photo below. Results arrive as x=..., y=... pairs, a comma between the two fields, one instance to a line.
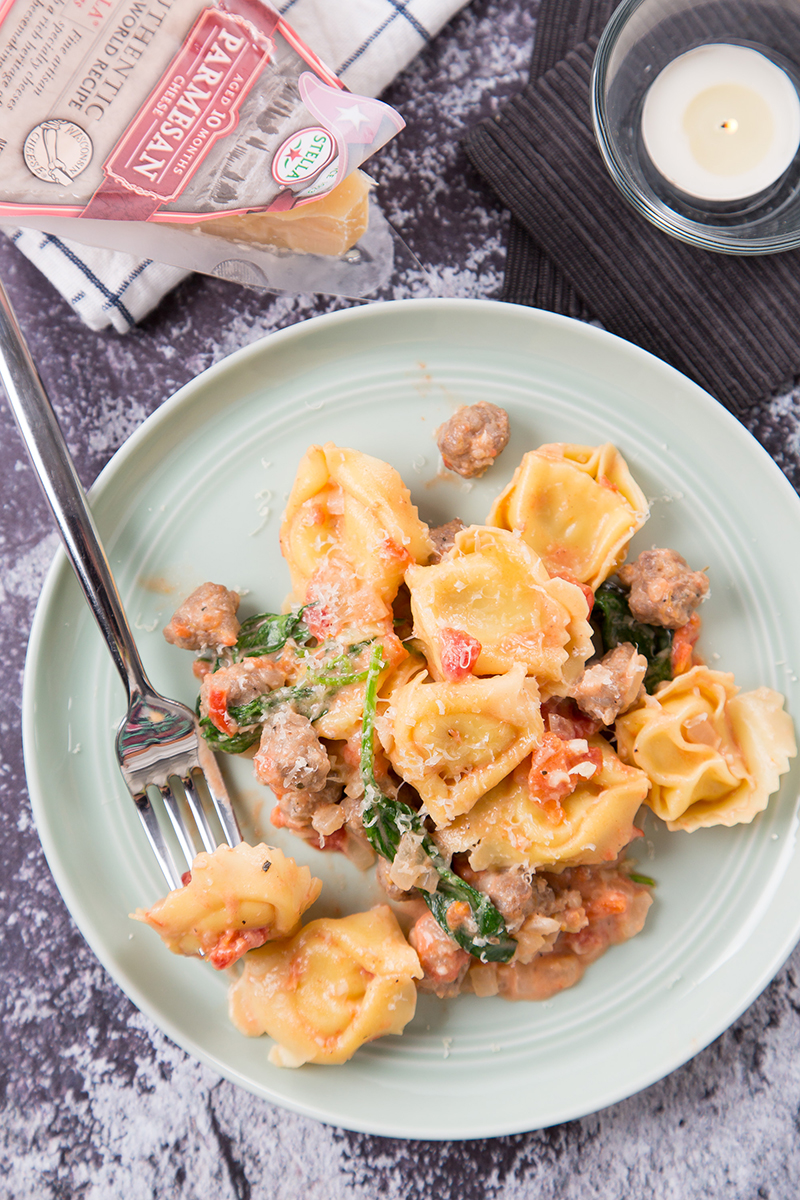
x=53, y=464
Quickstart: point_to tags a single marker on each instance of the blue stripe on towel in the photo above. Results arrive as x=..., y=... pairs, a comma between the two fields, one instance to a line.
x=112, y=300
x=399, y=7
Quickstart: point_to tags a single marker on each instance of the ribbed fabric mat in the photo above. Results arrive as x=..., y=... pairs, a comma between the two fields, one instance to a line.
x=730, y=323
x=531, y=276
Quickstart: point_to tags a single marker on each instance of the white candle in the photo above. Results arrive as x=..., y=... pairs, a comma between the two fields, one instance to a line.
x=721, y=122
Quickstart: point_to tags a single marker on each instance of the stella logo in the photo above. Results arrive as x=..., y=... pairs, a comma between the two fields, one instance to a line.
x=302, y=155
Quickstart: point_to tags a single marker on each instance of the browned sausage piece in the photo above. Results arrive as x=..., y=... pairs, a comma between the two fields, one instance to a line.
x=443, y=961
x=514, y=894
x=206, y=618
x=301, y=811
x=444, y=538
x=290, y=756
x=663, y=589
x=472, y=439
x=611, y=685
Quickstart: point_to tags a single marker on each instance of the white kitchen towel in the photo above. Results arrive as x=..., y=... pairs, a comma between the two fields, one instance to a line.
x=366, y=42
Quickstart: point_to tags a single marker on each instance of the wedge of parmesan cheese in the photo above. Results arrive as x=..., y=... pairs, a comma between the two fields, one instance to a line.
x=330, y=225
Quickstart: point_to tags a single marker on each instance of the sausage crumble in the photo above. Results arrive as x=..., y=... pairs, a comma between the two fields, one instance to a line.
x=472, y=439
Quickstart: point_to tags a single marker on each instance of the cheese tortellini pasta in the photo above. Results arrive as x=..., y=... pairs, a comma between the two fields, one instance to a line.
x=356, y=507
x=712, y=753
x=509, y=827
x=577, y=507
x=236, y=898
x=332, y=987
x=454, y=741
x=495, y=589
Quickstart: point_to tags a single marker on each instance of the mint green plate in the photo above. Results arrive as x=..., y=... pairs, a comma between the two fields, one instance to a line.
x=197, y=494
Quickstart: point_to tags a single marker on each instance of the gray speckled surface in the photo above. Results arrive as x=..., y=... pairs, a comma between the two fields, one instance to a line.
x=96, y=1102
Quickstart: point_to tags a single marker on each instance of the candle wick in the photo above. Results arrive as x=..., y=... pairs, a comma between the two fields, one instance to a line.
x=730, y=126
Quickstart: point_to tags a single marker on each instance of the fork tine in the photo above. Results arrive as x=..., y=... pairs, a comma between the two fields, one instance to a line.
x=155, y=837
x=195, y=802
x=161, y=752
x=209, y=769
x=182, y=833
x=226, y=816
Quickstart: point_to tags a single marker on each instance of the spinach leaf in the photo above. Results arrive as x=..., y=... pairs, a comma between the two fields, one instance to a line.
x=616, y=624
x=338, y=672
x=266, y=633
x=300, y=697
x=237, y=744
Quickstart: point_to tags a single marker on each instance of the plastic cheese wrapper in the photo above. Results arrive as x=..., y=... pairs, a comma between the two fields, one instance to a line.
x=205, y=136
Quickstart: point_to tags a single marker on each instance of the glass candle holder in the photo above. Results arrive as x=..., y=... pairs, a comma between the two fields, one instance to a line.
x=696, y=110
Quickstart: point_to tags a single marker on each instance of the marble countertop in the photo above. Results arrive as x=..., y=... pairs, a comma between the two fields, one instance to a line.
x=96, y=1102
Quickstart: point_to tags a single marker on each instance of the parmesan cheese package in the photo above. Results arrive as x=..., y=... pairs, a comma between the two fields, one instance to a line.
x=203, y=135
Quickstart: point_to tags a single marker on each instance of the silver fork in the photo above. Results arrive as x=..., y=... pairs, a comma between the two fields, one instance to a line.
x=159, y=748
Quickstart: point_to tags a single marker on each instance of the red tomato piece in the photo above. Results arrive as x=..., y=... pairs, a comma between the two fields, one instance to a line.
x=557, y=767
x=217, y=705
x=683, y=641
x=234, y=943
x=459, y=652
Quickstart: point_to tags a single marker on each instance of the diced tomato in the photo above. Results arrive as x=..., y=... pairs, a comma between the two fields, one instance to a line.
x=186, y=878
x=330, y=841
x=459, y=652
x=553, y=775
x=391, y=552
x=234, y=943
x=217, y=707
x=393, y=649
x=683, y=642
x=607, y=904
x=440, y=957
x=320, y=621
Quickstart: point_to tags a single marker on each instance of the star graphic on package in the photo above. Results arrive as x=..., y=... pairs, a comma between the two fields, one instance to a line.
x=293, y=154
x=354, y=115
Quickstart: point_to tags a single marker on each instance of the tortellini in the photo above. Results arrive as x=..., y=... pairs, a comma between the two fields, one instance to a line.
x=356, y=507
x=236, y=898
x=494, y=588
x=577, y=507
x=507, y=827
x=714, y=754
x=454, y=741
x=334, y=986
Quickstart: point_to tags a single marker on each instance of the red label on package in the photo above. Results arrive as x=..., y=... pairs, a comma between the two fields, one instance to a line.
x=170, y=110
x=195, y=103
